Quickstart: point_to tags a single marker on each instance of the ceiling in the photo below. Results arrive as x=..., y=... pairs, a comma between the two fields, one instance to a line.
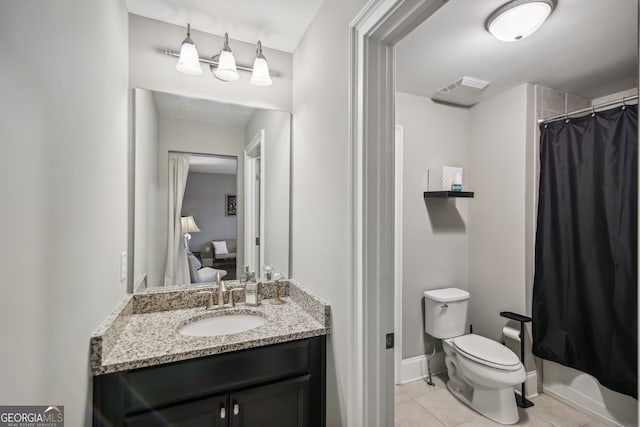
x=202, y=110
x=212, y=164
x=279, y=24
x=586, y=47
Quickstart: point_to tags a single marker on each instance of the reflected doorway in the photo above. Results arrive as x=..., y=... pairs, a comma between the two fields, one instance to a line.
x=254, y=158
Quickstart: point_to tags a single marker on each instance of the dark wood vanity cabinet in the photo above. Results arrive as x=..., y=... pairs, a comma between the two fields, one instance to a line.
x=279, y=385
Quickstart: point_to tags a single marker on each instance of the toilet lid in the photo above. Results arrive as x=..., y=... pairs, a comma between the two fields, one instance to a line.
x=486, y=351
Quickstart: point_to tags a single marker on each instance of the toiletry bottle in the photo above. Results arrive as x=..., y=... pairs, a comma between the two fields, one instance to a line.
x=245, y=274
x=252, y=293
x=268, y=271
x=456, y=185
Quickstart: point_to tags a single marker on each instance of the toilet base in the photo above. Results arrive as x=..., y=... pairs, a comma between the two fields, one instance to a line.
x=496, y=404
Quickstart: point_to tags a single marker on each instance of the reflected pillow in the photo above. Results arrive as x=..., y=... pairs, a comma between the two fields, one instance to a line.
x=220, y=247
x=194, y=265
x=208, y=274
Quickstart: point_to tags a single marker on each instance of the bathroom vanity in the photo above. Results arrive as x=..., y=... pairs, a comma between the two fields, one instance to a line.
x=146, y=373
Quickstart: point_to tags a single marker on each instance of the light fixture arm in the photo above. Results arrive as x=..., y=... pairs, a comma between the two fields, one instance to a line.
x=226, y=47
x=188, y=39
x=213, y=62
x=259, y=51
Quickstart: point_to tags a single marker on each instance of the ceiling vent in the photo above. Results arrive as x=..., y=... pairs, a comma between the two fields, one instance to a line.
x=465, y=92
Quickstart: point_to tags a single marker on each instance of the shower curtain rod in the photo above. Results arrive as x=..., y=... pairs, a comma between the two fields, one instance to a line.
x=622, y=100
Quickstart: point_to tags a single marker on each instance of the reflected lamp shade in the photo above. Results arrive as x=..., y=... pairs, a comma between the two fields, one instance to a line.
x=189, y=62
x=189, y=224
x=226, y=69
x=260, y=75
x=518, y=19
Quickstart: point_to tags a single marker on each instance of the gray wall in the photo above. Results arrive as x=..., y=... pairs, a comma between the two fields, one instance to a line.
x=145, y=261
x=499, y=129
x=434, y=233
x=277, y=127
x=320, y=234
x=64, y=131
x=204, y=199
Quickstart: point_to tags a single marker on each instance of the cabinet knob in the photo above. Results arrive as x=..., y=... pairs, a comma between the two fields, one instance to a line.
x=223, y=413
x=236, y=409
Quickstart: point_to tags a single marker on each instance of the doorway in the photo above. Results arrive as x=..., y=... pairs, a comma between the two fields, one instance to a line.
x=374, y=34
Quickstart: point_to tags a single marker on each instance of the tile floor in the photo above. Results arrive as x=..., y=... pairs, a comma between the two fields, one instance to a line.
x=418, y=405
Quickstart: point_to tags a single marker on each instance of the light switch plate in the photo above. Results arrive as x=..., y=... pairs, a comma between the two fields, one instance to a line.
x=123, y=266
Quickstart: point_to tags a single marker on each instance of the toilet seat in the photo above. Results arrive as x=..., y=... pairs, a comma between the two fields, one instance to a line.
x=486, y=352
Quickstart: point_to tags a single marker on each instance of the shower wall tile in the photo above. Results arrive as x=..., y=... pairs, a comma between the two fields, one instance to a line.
x=550, y=113
x=553, y=101
x=575, y=102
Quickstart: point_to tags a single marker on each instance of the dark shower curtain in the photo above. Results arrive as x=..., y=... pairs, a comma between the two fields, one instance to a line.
x=585, y=286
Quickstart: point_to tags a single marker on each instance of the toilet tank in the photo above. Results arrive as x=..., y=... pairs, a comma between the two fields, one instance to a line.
x=445, y=312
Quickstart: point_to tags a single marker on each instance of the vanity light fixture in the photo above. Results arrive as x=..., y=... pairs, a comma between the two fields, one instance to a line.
x=189, y=61
x=518, y=19
x=223, y=65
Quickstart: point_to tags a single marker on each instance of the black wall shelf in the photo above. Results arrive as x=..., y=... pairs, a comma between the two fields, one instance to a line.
x=447, y=194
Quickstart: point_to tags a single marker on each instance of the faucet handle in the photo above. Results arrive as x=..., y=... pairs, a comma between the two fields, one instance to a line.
x=231, y=292
x=210, y=302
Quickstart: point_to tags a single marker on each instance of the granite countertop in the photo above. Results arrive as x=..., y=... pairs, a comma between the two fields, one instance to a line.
x=142, y=330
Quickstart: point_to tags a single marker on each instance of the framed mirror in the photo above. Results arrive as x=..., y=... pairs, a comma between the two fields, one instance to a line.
x=211, y=190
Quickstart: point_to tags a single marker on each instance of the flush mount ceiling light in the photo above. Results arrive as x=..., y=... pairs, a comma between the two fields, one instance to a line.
x=519, y=19
x=222, y=65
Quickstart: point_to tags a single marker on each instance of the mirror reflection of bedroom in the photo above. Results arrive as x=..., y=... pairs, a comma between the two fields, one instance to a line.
x=209, y=217
x=211, y=190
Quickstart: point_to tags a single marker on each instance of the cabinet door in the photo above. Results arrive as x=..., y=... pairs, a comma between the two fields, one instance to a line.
x=282, y=404
x=201, y=413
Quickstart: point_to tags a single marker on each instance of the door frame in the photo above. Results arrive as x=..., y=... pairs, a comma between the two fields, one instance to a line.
x=372, y=37
x=254, y=152
x=398, y=152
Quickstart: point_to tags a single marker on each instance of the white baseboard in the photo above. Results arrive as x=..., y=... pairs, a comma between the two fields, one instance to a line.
x=582, y=402
x=415, y=368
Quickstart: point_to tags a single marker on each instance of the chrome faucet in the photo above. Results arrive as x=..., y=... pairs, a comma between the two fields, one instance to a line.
x=222, y=288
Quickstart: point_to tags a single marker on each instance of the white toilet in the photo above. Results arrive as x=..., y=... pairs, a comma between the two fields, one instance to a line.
x=482, y=372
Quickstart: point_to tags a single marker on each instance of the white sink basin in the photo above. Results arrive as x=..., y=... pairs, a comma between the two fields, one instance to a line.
x=222, y=325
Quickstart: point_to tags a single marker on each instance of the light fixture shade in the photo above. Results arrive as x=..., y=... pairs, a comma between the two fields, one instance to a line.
x=519, y=19
x=260, y=75
x=189, y=62
x=189, y=224
x=226, y=69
